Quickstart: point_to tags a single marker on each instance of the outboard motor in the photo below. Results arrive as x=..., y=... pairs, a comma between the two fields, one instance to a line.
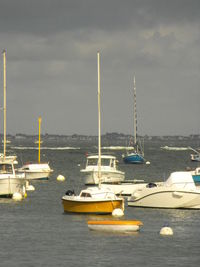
x=70, y=193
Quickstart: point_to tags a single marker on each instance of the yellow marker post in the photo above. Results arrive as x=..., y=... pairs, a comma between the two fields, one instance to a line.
x=39, y=122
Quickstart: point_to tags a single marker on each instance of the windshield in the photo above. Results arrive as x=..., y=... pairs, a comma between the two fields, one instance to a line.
x=6, y=168
x=94, y=162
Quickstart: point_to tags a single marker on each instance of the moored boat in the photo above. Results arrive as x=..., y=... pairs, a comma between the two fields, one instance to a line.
x=36, y=171
x=178, y=192
x=119, y=226
x=126, y=187
x=109, y=171
x=196, y=175
x=93, y=200
x=10, y=182
x=136, y=156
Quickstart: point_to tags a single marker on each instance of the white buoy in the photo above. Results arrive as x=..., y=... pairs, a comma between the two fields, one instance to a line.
x=166, y=230
x=29, y=187
x=60, y=178
x=117, y=213
x=148, y=162
x=79, y=165
x=17, y=196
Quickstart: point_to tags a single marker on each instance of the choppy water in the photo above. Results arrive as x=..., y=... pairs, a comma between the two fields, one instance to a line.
x=36, y=232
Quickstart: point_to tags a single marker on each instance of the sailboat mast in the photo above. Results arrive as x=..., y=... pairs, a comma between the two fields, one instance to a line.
x=39, y=128
x=135, y=113
x=99, y=119
x=4, y=106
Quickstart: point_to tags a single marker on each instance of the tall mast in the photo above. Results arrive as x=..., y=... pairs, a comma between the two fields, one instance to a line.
x=4, y=105
x=39, y=128
x=99, y=120
x=135, y=113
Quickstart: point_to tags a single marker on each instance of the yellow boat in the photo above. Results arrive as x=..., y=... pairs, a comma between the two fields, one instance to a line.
x=93, y=200
x=124, y=226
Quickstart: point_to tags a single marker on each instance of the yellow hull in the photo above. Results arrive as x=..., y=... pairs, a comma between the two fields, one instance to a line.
x=97, y=207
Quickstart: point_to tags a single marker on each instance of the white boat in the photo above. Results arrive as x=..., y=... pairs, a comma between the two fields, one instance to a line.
x=126, y=187
x=178, y=191
x=95, y=200
x=109, y=171
x=36, y=171
x=117, y=226
x=10, y=182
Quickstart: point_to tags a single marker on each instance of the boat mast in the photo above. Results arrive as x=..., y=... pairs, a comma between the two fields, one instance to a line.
x=135, y=113
x=4, y=106
x=39, y=123
x=99, y=120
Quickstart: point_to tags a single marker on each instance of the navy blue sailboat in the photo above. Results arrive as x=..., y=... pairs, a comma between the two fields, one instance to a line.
x=137, y=154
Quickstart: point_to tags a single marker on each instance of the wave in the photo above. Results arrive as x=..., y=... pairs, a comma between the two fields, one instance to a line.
x=173, y=148
x=117, y=148
x=45, y=148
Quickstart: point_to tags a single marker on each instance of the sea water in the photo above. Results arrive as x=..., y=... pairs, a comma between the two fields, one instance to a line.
x=36, y=232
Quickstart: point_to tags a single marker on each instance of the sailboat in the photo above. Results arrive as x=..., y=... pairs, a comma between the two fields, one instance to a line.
x=36, y=171
x=137, y=155
x=10, y=182
x=96, y=199
x=196, y=156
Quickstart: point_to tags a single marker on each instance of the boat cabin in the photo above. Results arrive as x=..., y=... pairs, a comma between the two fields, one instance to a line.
x=96, y=192
x=6, y=168
x=107, y=161
x=181, y=180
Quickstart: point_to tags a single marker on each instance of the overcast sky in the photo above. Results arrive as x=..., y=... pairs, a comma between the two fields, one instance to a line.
x=52, y=65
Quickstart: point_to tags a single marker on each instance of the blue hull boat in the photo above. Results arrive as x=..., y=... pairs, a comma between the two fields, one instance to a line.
x=133, y=158
x=196, y=178
x=137, y=154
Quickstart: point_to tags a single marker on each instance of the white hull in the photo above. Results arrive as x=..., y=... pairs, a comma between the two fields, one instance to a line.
x=91, y=177
x=36, y=171
x=166, y=198
x=9, y=186
x=114, y=228
x=124, y=189
x=37, y=175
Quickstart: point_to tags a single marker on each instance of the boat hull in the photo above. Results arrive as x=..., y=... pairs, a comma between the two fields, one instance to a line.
x=91, y=177
x=174, y=199
x=90, y=207
x=9, y=186
x=33, y=175
x=133, y=158
x=115, y=226
x=196, y=178
x=124, y=189
x=195, y=157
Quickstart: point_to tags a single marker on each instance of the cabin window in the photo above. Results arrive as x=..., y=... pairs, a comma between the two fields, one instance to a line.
x=6, y=168
x=92, y=162
x=84, y=194
x=105, y=162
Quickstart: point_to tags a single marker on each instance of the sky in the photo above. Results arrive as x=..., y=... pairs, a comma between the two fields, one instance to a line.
x=51, y=51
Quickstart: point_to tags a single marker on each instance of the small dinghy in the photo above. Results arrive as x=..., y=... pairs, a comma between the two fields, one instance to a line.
x=121, y=226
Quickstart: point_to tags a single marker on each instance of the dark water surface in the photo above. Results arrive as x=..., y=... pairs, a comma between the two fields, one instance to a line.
x=36, y=232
